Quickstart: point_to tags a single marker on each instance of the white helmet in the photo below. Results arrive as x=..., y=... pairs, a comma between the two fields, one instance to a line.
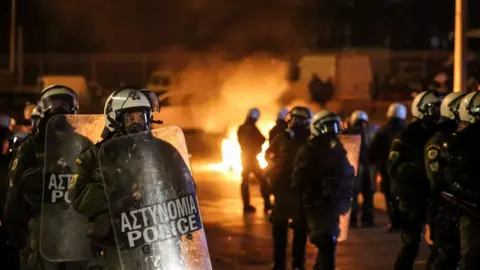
x=358, y=116
x=253, y=113
x=299, y=117
x=450, y=105
x=469, y=108
x=397, y=110
x=426, y=103
x=325, y=122
x=124, y=100
x=58, y=97
x=282, y=114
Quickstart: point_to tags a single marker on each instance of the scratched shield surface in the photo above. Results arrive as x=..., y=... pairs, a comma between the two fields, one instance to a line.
x=62, y=230
x=152, y=200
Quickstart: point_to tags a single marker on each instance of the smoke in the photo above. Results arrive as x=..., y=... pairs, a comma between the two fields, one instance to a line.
x=227, y=89
x=232, y=53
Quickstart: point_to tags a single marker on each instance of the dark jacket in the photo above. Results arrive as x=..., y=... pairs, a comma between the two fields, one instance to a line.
x=282, y=153
x=279, y=127
x=380, y=147
x=324, y=176
x=250, y=139
x=24, y=194
x=406, y=166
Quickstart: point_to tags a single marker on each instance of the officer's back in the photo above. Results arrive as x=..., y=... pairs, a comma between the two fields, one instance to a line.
x=380, y=147
x=249, y=136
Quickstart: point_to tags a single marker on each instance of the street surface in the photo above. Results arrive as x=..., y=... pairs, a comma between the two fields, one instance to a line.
x=238, y=241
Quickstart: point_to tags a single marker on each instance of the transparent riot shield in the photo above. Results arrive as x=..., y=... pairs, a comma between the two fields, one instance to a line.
x=153, y=204
x=62, y=230
x=351, y=143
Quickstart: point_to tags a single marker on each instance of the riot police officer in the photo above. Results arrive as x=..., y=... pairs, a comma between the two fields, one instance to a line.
x=280, y=125
x=251, y=140
x=441, y=224
x=324, y=176
x=288, y=203
x=124, y=114
x=364, y=181
x=378, y=155
x=22, y=209
x=459, y=162
x=137, y=172
x=406, y=167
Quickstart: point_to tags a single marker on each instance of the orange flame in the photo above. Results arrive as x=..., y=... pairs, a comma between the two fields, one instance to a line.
x=231, y=152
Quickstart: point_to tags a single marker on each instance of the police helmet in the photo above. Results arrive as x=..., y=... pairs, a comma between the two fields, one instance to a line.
x=450, y=105
x=253, y=113
x=119, y=107
x=469, y=108
x=325, y=122
x=299, y=115
x=153, y=98
x=58, y=99
x=282, y=114
x=397, y=110
x=426, y=104
x=357, y=116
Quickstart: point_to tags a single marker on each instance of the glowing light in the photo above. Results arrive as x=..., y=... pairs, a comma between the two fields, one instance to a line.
x=232, y=154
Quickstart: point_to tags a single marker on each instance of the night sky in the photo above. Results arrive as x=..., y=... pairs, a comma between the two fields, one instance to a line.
x=242, y=25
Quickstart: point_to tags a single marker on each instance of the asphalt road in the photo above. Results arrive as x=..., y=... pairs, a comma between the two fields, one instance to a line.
x=238, y=241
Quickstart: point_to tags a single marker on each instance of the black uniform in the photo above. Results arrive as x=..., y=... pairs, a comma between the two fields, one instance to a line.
x=461, y=176
x=441, y=216
x=288, y=201
x=378, y=155
x=325, y=178
x=279, y=127
x=251, y=141
x=8, y=254
x=406, y=166
x=363, y=183
x=23, y=205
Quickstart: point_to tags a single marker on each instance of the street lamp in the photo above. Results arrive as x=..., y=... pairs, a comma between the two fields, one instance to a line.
x=460, y=64
x=12, y=38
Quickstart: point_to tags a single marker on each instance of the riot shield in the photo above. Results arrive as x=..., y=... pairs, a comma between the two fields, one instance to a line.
x=152, y=200
x=62, y=230
x=351, y=143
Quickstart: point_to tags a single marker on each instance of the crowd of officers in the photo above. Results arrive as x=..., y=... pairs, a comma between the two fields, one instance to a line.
x=427, y=169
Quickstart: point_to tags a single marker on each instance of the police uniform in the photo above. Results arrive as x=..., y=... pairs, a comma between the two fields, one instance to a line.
x=378, y=155
x=251, y=141
x=406, y=166
x=441, y=217
x=279, y=128
x=461, y=176
x=288, y=201
x=24, y=200
x=325, y=178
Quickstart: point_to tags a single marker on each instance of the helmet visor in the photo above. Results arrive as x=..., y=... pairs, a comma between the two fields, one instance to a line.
x=430, y=109
x=59, y=104
x=135, y=121
x=331, y=127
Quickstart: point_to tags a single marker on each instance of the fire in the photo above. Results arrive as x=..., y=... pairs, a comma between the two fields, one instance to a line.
x=231, y=152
